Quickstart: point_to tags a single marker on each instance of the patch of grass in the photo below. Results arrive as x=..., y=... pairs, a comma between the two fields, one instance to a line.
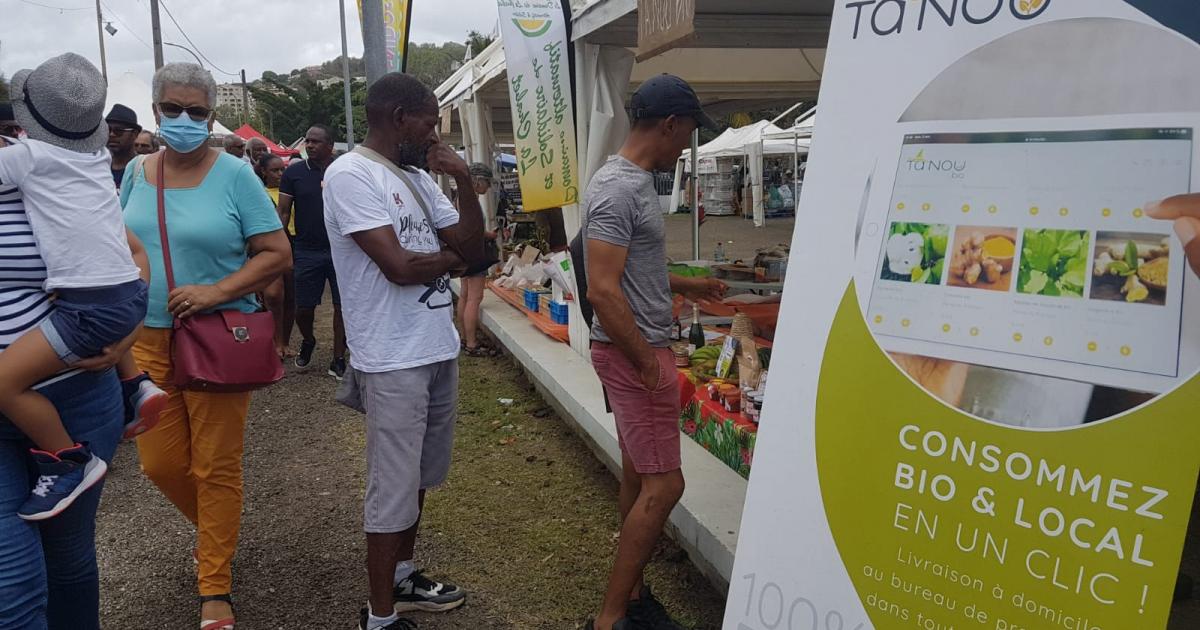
x=528, y=517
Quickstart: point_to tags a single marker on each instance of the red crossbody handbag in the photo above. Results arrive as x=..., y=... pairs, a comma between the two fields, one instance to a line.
x=223, y=352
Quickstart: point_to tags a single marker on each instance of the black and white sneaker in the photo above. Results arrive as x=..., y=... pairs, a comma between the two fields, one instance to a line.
x=399, y=624
x=648, y=613
x=419, y=593
x=306, y=352
x=337, y=369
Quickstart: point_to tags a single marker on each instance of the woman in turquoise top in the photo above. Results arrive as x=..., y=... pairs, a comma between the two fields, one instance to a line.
x=218, y=216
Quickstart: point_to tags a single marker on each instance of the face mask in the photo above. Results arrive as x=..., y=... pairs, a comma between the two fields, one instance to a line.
x=182, y=133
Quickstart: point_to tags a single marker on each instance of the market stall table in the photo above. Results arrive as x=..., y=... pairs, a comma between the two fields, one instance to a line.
x=542, y=321
x=758, y=287
x=728, y=435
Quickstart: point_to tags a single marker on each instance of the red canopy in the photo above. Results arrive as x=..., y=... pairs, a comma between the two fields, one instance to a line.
x=246, y=132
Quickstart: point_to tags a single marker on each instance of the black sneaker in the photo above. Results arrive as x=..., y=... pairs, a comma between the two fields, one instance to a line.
x=417, y=592
x=399, y=624
x=306, y=352
x=647, y=612
x=621, y=624
x=337, y=369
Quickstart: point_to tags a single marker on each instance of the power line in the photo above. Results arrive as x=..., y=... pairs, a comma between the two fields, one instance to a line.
x=194, y=46
x=46, y=6
x=123, y=23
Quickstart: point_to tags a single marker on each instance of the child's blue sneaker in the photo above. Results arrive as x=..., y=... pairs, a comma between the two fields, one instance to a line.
x=62, y=477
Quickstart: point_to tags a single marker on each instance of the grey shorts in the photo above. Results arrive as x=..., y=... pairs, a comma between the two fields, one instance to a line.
x=410, y=433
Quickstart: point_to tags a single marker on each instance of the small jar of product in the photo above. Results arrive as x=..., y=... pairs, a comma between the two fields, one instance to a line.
x=733, y=401
x=714, y=389
x=682, y=356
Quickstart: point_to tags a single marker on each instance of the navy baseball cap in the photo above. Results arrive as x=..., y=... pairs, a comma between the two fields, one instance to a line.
x=667, y=95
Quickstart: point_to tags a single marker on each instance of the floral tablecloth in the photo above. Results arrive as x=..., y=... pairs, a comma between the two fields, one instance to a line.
x=729, y=436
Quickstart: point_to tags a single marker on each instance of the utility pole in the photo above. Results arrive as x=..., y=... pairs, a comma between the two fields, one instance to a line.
x=346, y=85
x=245, y=98
x=100, y=32
x=156, y=32
x=374, y=40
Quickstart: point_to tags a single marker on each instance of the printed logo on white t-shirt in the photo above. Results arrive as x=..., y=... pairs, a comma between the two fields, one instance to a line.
x=437, y=294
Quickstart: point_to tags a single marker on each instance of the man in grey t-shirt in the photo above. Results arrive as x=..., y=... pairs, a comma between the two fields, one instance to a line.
x=622, y=210
x=630, y=290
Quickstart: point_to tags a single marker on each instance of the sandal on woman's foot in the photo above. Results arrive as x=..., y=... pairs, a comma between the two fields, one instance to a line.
x=217, y=624
x=477, y=351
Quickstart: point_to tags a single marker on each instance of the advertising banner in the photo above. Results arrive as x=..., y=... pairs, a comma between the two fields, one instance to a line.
x=396, y=16
x=982, y=409
x=539, y=82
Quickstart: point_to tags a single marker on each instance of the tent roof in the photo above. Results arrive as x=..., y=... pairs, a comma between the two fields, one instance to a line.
x=246, y=132
x=803, y=128
x=733, y=142
x=727, y=80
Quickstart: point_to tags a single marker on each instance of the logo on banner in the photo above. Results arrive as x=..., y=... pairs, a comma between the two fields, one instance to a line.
x=920, y=163
x=533, y=28
x=890, y=17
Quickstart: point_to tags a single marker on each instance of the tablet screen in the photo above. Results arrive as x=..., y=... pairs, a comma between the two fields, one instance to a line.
x=1030, y=250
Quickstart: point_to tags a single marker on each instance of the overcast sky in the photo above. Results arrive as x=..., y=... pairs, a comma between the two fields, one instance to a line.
x=257, y=35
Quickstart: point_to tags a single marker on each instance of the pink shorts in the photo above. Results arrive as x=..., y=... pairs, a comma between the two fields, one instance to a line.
x=647, y=421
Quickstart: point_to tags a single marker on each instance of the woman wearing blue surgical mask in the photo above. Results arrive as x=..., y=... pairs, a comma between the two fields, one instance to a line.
x=217, y=213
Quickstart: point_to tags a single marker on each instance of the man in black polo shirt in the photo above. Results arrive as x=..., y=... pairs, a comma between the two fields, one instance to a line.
x=300, y=192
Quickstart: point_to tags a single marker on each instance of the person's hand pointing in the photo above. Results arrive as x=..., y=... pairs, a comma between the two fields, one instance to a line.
x=1184, y=210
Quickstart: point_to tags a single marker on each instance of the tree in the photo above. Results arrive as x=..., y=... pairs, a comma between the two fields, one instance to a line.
x=333, y=68
x=228, y=115
x=304, y=103
x=433, y=64
x=477, y=42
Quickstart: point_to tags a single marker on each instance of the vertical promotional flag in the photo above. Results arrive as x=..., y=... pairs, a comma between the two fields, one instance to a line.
x=397, y=15
x=539, y=81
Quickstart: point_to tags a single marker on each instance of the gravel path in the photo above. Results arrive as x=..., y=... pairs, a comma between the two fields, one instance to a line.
x=526, y=522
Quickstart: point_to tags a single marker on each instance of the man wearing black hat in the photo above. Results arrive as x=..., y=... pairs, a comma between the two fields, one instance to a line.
x=123, y=130
x=631, y=292
x=9, y=127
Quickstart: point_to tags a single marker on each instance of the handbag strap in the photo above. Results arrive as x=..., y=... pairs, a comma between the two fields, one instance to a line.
x=374, y=156
x=162, y=224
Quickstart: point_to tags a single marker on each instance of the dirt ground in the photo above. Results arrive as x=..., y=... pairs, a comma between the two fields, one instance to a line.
x=746, y=238
x=526, y=523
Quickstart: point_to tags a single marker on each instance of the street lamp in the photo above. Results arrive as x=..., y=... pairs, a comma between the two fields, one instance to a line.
x=187, y=49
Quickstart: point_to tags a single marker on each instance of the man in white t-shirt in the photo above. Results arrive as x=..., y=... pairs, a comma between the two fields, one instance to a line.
x=387, y=223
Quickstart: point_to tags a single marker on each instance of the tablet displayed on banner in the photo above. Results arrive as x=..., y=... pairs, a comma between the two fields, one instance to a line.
x=1009, y=249
x=990, y=417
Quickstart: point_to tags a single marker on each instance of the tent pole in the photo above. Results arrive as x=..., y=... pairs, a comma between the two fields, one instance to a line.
x=696, y=194
x=346, y=81
x=795, y=169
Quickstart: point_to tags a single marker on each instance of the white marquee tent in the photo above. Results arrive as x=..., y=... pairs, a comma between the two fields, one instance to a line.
x=752, y=142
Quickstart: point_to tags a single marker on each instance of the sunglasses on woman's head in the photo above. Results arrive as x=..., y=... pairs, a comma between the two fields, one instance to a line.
x=173, y=110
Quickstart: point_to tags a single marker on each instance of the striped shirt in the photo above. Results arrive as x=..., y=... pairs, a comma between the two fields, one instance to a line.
x=23, y=302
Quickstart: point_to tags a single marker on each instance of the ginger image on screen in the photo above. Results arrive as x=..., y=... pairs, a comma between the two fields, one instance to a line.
x=982, y=258
x=1131, y=267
